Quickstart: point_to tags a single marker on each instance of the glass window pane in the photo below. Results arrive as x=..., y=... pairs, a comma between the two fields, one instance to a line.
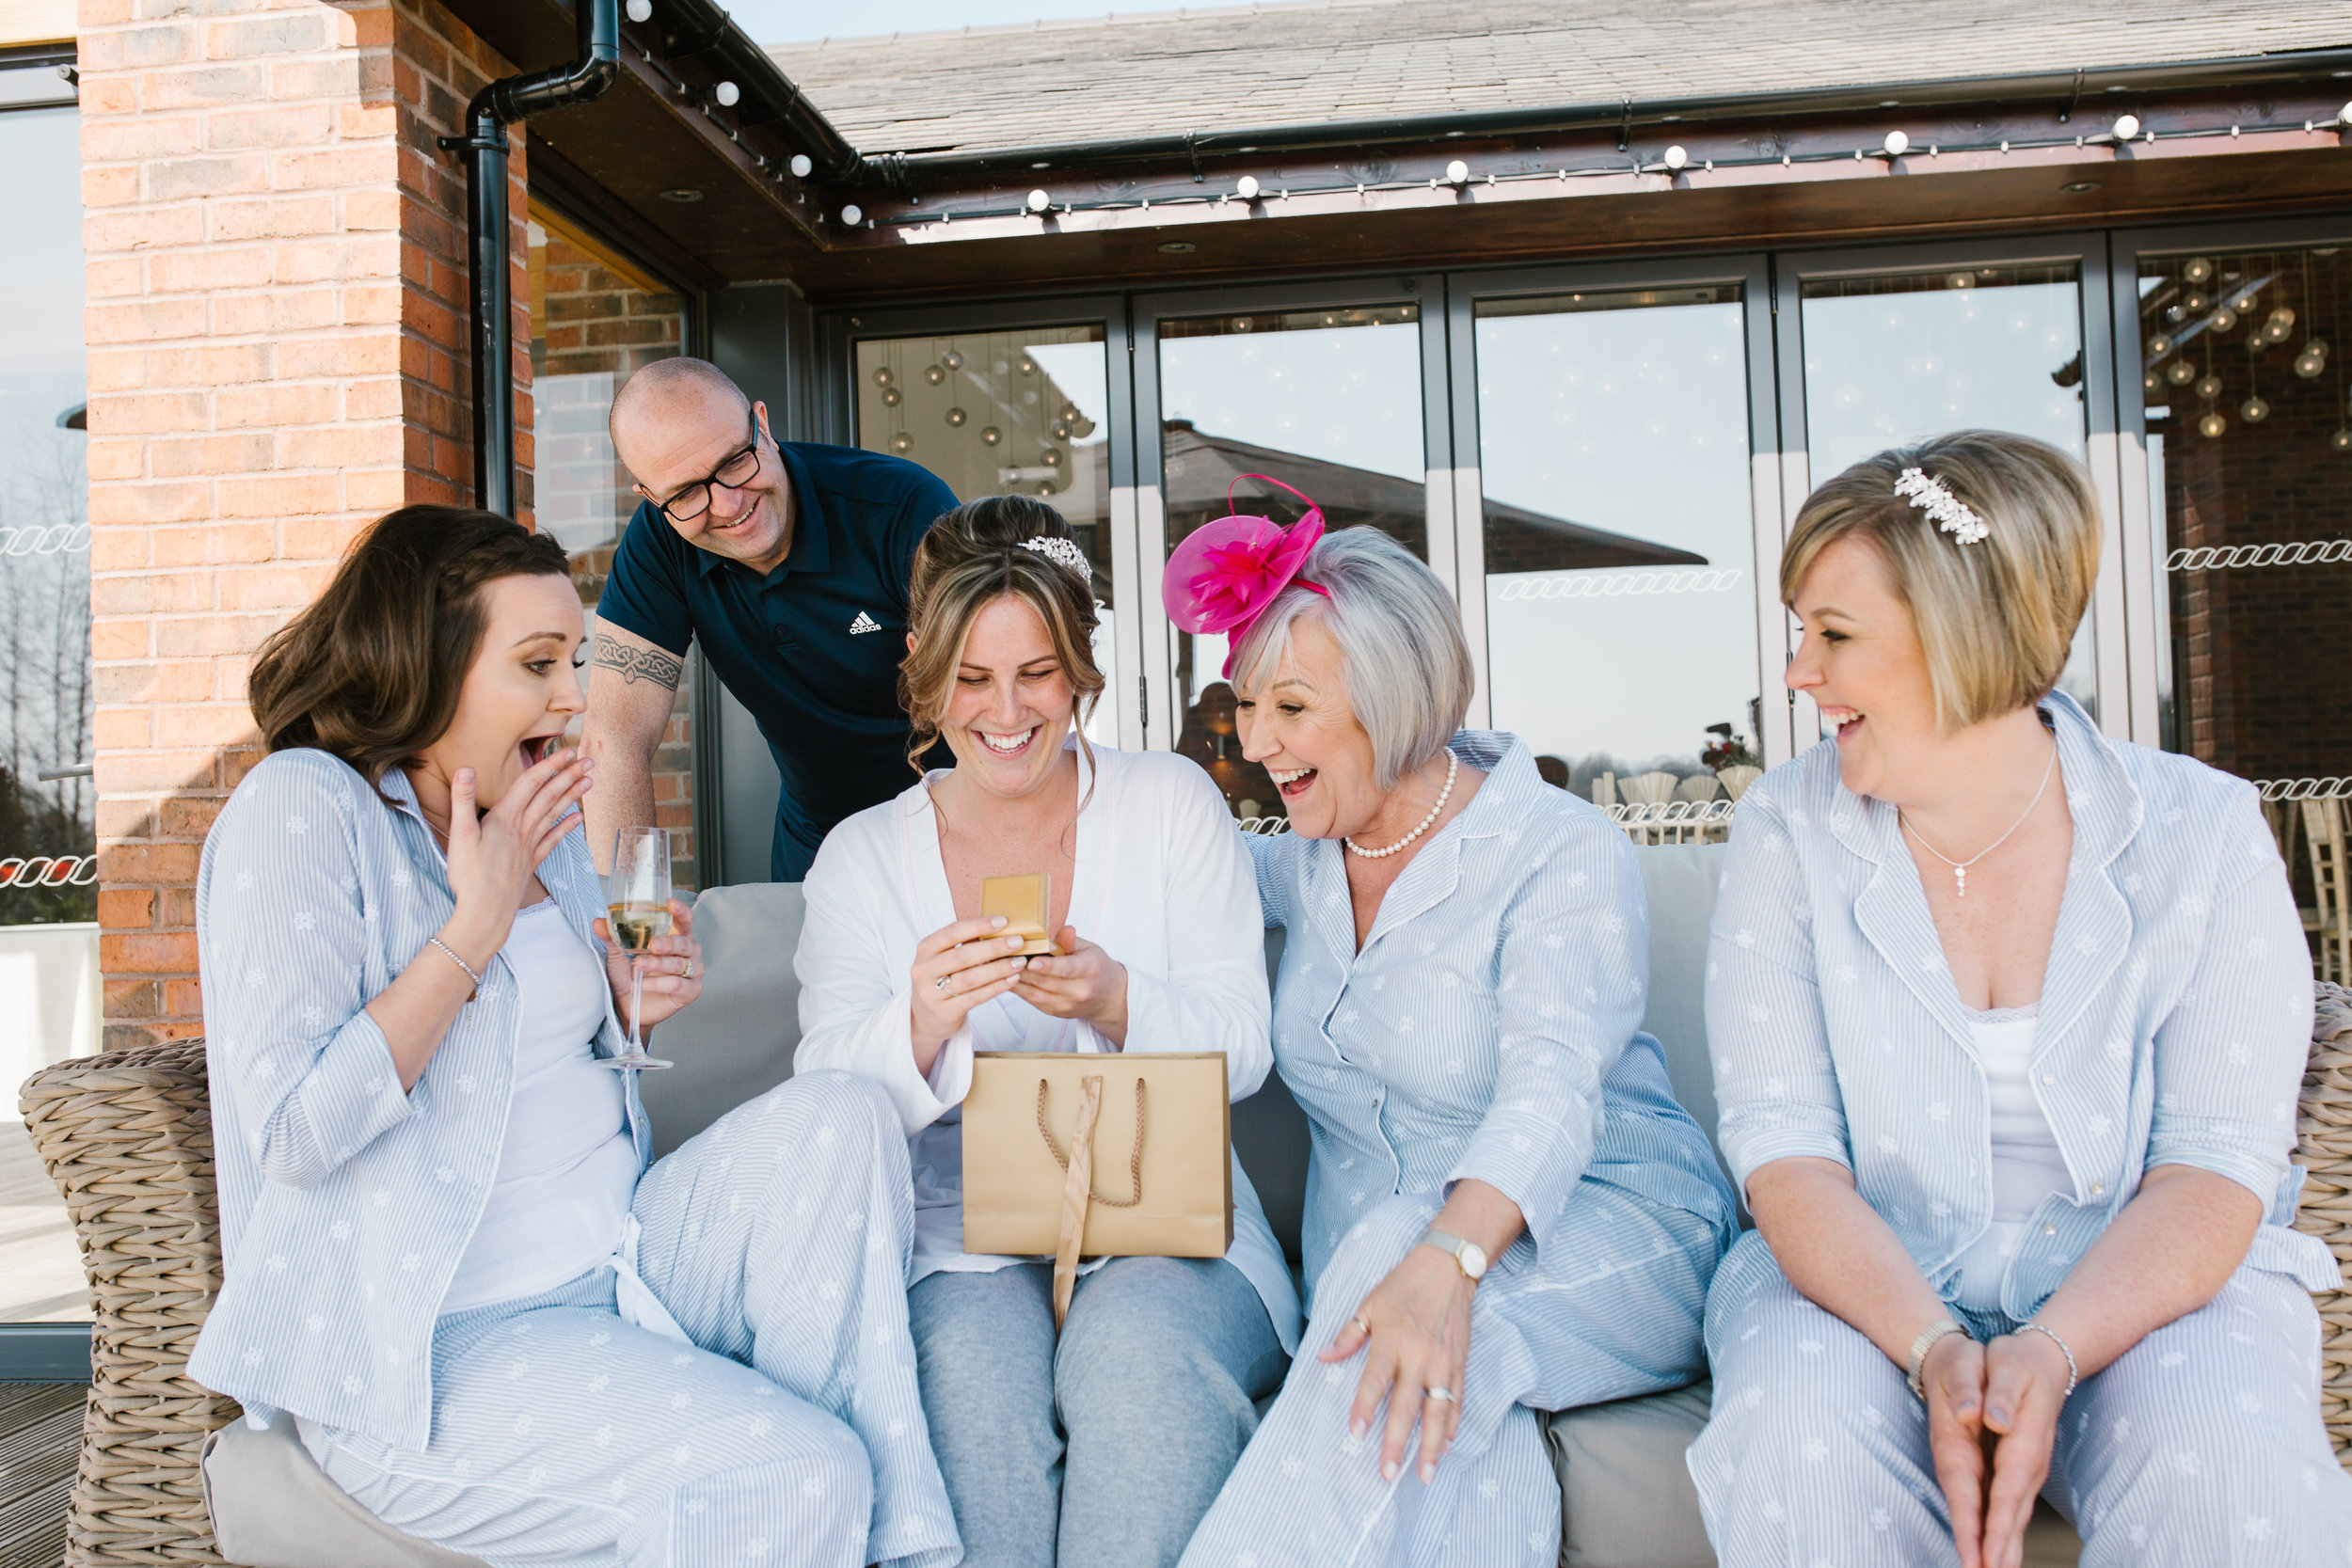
x=593, y=323
x=1620, y=537
x=1898, y=358
x=1022, y=412
x=48, y=834
x=2249, y=452
x=1327, y=400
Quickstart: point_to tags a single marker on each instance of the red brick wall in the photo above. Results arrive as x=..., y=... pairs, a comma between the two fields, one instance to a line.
x=277, y=320
x=2261, y=651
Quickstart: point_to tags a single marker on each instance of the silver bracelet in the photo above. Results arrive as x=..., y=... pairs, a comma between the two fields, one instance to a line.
x=2073, y=1373
x=471, y=973
x=1929, y=1338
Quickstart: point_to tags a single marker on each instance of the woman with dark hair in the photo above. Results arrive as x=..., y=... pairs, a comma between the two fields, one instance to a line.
x=1104, y=1448
x=446, y=1258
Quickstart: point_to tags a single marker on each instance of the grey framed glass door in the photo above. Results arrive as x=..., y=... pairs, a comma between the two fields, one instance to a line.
x=1338, y=389
x=1619, y=520
x=1887, y=346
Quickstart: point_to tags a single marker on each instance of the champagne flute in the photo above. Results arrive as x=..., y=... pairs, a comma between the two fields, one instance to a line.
x=638, y=905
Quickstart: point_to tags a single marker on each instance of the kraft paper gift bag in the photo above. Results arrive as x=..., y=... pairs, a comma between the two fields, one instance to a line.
x=1096, y=1155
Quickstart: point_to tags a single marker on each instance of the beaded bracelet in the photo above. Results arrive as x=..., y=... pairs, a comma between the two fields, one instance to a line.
x=2073, y=1373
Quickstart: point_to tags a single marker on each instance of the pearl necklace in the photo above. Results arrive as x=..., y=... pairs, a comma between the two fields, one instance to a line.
x=1452, y=766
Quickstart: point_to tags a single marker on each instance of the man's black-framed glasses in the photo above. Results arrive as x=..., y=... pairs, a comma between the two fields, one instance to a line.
x=733, y=474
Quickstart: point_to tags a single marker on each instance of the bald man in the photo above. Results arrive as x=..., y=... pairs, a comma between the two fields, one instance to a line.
x=788, y=561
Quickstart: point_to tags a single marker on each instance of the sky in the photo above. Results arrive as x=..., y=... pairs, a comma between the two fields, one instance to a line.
x=796, y=21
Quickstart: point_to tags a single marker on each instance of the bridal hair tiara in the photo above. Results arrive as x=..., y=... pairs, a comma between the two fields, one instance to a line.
x=1062, y=552
x=1933, y=497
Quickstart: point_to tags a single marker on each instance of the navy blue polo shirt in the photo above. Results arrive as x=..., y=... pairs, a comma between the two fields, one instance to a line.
x=812, y=648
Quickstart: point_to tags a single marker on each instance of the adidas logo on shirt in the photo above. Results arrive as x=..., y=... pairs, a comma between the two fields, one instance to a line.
x=864, y=624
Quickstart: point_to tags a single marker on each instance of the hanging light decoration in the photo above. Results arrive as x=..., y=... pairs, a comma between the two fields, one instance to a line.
x=1028, y=366
x=902, y=442
x=1059, y=430
x=2313, y=362
x=882, y=376
x=2278, y=325
x=934, y=374
x=2211, y=426
x=991, y=436
x=2158, y=347
x=2194, y=301
x=1070, y=412
x=957, y=416
x=2209, y=386
x=892, y=397
x=1051, y=457
x=2180, y=372
x=2150, y=381
x=2197, y=270
x=2341, y=440
x=953, y=360
x=2222, y=320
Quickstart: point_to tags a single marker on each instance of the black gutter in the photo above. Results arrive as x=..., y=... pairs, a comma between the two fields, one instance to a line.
x=699, y=27
x=2065, y=90
x=494, y=108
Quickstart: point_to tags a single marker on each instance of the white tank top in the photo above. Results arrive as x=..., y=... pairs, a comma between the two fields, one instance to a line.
x=2027, y=1164
x=568, y=1168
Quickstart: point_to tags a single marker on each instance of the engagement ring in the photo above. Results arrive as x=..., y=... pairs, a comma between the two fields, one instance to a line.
x=1439, y=1393
x=940, y=984
x=1362, y=1325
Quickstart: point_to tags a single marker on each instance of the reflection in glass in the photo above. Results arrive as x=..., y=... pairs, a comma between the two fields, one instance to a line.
x=1023, y=412
x=49, y=987
x=1619, y=538
x=1327, y=400
x=2255, y=512
x=1896, y=359
x=595, y=323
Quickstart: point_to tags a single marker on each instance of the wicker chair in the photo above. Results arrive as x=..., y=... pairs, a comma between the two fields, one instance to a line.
x=129, y=1139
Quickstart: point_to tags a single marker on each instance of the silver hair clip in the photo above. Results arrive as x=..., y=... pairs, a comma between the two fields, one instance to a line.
x=1933, y=497
x=1062, y=552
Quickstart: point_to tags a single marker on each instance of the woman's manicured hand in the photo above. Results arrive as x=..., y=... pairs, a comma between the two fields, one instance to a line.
x=2002, y=1399
x=1081, y=981
x=956, y=968
x=1420, y=1320
x=2025, y=1388
x=494, y=854
x=672, y=967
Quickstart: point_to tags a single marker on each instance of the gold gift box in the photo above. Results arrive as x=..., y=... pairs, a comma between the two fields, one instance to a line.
x=1024, y=902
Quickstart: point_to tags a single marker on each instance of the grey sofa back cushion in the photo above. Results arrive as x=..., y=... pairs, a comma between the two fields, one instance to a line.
x=736, y=1041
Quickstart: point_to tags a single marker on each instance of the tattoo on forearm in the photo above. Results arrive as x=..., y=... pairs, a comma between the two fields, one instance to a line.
x=630, y=663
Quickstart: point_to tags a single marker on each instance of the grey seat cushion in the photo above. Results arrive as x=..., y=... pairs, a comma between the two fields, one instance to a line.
x=273, y=1506
x=736, y=1041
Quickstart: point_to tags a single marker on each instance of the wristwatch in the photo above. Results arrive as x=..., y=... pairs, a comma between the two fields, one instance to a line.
x=1469, y=1255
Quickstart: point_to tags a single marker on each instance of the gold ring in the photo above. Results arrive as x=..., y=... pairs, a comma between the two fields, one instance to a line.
x=1358, y=1321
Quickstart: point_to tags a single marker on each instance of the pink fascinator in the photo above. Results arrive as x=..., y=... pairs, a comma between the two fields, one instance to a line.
x=1223, y=575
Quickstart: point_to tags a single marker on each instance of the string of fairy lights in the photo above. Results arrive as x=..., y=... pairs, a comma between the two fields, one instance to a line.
x=2193, y=312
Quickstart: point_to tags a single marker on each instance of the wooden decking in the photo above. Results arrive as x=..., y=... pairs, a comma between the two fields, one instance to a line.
x=40, y=1436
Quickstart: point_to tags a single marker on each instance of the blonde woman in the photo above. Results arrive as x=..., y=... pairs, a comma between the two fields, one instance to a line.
x=2009, y=1020
x=1107, y=1448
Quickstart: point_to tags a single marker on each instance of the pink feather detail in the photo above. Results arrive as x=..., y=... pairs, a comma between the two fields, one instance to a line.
x=1224, y=575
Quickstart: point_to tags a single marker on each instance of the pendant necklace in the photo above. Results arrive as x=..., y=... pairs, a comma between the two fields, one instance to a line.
x=1452, y=766
x=1960, y=868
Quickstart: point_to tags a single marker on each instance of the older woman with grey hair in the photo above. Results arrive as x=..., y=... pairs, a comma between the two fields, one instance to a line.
x=1507, y=1213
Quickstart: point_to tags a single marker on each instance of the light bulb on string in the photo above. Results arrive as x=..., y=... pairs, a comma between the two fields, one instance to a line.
x=2211, y=426
x=2222, y=320
x=934, y=374
x=957, y=416
x=2278, y=325
x=991, y=436
x=1051, y=457
x=1070, y=411
x=892, y=397
x=902, y=442
x=2158, y=347
x=2150, y=381
x=2197, y=269
x=2180, y=372
x=2341, y=440
x=1061, y=430
x=953, y=360
x=2313, y=362
x=882, y=376
x=2194, y=301
x=1028, y=366
x=2254, y=410
x=2208, y=386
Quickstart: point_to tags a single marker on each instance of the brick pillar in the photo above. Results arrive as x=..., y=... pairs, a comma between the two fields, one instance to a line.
x=277, y=322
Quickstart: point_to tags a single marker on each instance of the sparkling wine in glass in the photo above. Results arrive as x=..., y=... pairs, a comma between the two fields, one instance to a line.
x=637, y=902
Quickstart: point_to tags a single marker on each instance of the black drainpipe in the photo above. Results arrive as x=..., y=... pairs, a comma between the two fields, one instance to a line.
x=494, y=108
